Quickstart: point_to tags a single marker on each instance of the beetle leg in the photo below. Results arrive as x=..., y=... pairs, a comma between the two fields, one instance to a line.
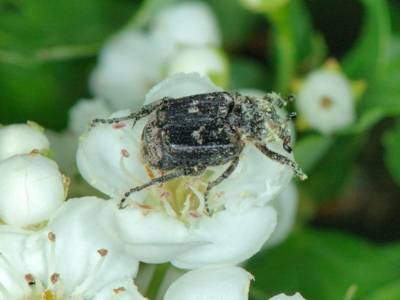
x=283, y=160
x=181, y=172
x=135, y=116
x=219, y=179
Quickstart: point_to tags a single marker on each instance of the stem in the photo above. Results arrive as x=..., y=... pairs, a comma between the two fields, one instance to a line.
x=156, y=280
x=284, y=47
x=146, y=11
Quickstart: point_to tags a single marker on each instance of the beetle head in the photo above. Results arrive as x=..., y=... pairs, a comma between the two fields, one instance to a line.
x=264, y=121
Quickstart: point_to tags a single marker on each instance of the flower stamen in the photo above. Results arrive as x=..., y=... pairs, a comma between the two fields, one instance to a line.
x=13, y=274
x=51, y=237
x=80, y=289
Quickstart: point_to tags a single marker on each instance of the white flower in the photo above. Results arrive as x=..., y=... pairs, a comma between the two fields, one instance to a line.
x=296, y=296
x=286, y=206
x=206, y=61
x=228, y=283
x=168, y=222
x=187, y=24
x=73, y=258
x=129, y=64
x=325, y=101
x=21, y=138
x=31, y=188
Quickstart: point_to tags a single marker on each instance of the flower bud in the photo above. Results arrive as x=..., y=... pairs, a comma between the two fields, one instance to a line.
x=31, y=189
x=21, y=138
x=187, y=24
x=128, y=66
x=205, y=61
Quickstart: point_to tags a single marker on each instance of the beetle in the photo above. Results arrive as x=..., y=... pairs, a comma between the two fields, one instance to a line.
x=188, y=134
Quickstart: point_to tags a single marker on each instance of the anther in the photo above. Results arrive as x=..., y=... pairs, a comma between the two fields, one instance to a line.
x=30, y=280
x=51, y=236
x=102, y=252
x=54, y=278
x=124, y=153
x=119, y=290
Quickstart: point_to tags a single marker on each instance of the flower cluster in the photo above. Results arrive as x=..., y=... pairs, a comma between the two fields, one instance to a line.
x=88, y=248
x=134, y=60
x=168, y=223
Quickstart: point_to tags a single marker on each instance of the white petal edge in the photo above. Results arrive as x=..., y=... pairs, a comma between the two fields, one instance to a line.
x=296, y=296
x=230, y=238
x=228, y=283
x=181, y=85
x=153, y=236
x=286, y=206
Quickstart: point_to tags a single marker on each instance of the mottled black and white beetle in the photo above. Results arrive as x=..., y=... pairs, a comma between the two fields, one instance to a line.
x=186, y=135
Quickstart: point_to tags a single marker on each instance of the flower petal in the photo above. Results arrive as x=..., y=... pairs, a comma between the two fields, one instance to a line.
x=83, y=239
x=256, y=180
x=13, y=268
x=187, y=24
x=230, y=237
x=228, y=283
x=286, y=206
x=296, y=296
x=109, y=157
x=152, y=237
x=124, y=289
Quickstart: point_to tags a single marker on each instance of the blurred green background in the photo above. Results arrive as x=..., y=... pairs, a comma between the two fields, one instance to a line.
x=346, y=244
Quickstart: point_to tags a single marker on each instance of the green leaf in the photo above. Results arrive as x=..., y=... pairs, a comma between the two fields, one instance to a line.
x=328, y=178
x=383, y=95
x=324, y=265
x=33, y=30
x=234, y=34
x=310, y=150
x=292, y=38
x=368, y=58
x=391, y=142
x=390, y=291
x=248, y=73
x=44, y=46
